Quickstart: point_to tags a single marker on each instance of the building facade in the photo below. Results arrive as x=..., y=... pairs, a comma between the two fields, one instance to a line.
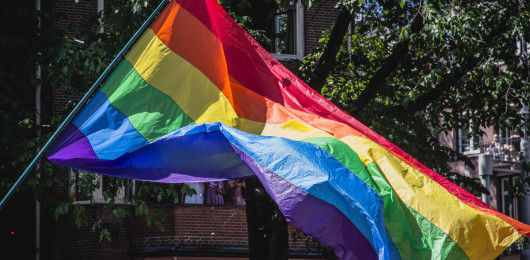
x=207, y=231
x=189, y=231
x=496, y=157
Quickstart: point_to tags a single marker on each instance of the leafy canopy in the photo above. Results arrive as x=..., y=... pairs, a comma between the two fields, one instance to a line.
x=412, y=70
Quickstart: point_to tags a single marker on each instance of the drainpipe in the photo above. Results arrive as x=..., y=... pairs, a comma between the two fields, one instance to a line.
x=38, y=123
x=524, y=214
x=485, y=171
x=37, y=203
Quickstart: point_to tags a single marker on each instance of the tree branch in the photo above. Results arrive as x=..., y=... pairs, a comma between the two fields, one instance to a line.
x=435, y=93
x=331, y=49
x=377, y=82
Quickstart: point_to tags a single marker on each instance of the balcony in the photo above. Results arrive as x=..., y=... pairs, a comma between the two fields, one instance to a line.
x=503, y=149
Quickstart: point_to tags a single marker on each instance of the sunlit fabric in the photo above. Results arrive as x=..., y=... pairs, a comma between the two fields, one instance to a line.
x=197, y=99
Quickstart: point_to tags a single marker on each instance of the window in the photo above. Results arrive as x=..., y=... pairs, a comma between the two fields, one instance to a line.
x=80, y=183
x=109, y=185
x=284, y=31
x=287, y=35
x=101, y=8
x=87, y=185
x=467, y=144
x=509, y=205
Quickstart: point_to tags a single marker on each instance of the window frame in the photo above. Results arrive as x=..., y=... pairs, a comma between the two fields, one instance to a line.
x=97, y=194
x=474, y=142
x=299, y=36
x=503, y=192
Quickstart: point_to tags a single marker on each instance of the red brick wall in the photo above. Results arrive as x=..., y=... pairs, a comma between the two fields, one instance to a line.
x=292, y=242
x=60, y=98
x=67, y=13
x=184, y=225
x=60, y=238
x=211, y=226
x=195, y=225
x=198, y=225
x=317, y=19
x=68, y=242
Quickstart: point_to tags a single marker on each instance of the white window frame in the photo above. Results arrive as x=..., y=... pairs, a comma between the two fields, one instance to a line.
x=513, y=207
x=101, y=7
x=474, y=148
x=299, y=35
x=98, y=193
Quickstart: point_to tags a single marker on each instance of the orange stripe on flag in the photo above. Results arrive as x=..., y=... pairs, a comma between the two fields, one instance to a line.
x=195, y=43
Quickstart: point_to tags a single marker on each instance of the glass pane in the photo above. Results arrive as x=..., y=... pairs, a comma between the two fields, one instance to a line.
x=507, y=201
x=507, y=205
x=464, y=140
x=82, y=186
x=109, y=185
x=284, y=32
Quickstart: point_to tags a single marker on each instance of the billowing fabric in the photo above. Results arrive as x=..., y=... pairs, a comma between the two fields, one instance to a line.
x=197, y=99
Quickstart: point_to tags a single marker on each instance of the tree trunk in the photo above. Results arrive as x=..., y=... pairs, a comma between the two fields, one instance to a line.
x=318, y=79
x=378, y=81
x=267, y=227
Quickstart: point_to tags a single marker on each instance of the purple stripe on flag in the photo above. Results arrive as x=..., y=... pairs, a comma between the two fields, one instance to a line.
x=313, y=216
x=72, y=144
x=196, y=153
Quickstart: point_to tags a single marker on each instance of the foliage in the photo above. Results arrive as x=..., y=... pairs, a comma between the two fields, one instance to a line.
x=17, y=67
x=458, y=69
x=445, y=64
x=82, y=56
x=312, y=245
x=75, y=61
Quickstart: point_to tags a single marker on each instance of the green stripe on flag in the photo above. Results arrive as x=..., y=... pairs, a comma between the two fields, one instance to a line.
x=406, y=227
x=152, y=113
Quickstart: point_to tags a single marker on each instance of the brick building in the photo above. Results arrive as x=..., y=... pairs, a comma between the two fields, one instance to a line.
x=214, y=231
x=495, y=157
x=190, y=231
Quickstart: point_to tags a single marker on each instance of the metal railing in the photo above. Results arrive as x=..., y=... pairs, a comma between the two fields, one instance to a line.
x=503, y=149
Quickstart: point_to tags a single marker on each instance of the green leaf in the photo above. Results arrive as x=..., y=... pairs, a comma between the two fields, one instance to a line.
x=104, y=234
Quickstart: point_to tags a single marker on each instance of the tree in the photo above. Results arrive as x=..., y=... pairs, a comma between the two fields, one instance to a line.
x=419, y=68
x=409, y=70
x=76, y=61
x=30, y=41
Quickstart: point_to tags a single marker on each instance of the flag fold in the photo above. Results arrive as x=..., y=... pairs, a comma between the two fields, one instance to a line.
x=197, y=99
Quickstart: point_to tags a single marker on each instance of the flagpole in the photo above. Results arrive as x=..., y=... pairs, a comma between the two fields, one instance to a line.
x=79, y=105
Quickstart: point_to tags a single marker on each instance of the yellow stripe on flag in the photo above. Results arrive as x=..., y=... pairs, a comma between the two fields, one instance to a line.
x=177, y=78
x=437, y=205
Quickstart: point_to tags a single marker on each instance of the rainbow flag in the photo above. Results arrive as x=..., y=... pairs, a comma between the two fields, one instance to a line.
x=197, y=99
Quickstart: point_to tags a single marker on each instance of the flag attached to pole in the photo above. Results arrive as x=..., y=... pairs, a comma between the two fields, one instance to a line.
x=197, y=99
